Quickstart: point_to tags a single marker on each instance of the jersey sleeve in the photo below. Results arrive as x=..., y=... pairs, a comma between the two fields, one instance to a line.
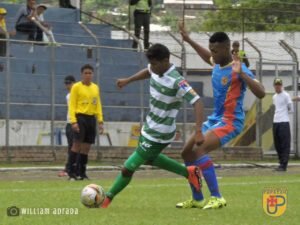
x=72, y=104
x=99, y=113
x=248, y=72
x=186, y=91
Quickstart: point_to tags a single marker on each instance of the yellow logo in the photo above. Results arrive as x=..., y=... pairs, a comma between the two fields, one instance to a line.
x=224, y=81
x=275, y=201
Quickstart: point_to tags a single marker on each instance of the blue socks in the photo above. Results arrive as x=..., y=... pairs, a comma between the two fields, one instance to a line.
x=198, y=196
x=208, y=172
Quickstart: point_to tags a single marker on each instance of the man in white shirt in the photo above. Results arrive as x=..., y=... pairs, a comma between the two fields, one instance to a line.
x=281, y=124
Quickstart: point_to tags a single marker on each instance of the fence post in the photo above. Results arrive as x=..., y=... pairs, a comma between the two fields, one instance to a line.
x=293, y=54
x=141, y=52
x=8, y=87
x=52, y=69
x=258, y=101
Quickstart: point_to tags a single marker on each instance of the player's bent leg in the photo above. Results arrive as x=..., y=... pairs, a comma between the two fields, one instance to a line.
x=204, y=162
x=124, y=178
x=192, y=173
x=164, y=162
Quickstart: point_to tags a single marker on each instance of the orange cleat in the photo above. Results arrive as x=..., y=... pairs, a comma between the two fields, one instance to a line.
x=195, y=177
x=106, y=203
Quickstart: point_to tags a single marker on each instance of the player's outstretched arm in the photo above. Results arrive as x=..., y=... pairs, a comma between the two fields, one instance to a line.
x=141, y=75
x=254, y=85
x=202, y=52
x=199, y=115
x=296, y=99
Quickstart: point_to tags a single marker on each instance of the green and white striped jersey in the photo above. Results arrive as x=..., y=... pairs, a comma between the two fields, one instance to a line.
x=166, y=94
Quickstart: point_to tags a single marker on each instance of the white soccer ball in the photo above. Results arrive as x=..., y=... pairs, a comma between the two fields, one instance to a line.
x=92, y=196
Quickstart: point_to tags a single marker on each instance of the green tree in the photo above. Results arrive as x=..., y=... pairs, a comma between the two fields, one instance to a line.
x=253, y=15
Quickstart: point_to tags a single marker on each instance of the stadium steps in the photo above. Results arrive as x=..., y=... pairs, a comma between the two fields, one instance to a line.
x=30, y=71
x=52, y=14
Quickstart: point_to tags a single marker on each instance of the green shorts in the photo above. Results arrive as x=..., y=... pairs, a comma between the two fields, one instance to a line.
x=149, y=150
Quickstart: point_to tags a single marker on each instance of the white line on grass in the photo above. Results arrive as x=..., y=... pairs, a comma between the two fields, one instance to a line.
x=149, y=186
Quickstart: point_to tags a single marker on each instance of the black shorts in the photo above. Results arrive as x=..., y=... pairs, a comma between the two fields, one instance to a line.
x=87, y=129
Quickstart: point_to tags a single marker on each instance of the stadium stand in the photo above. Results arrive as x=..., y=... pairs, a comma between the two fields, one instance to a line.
x=31, y=79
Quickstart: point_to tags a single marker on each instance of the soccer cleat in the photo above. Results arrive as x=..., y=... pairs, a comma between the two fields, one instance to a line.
x=195, y=177
x=106, y=203
x=215, y=203
x=191, y=204
x=280, y=169
x=72, y=177
x=83, y=177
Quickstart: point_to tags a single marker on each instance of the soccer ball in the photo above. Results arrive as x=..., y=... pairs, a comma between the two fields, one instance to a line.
x=92, y=196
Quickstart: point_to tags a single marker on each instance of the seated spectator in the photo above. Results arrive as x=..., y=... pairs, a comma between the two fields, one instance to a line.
x=40, y=9
x=25, y=24
x=3, y=32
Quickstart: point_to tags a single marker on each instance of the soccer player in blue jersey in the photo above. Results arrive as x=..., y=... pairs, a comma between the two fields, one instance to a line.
x=230, y=79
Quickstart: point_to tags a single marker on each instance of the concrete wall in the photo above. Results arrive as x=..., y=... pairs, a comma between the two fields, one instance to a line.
x=37, y=132
x=115, y=155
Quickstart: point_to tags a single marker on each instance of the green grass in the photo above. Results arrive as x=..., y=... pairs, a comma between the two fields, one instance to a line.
x=150, y=202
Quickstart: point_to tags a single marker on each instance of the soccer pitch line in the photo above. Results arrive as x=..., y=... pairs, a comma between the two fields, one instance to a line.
x=150, y=186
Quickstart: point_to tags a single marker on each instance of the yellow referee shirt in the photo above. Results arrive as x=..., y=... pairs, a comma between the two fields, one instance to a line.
x=85, y=99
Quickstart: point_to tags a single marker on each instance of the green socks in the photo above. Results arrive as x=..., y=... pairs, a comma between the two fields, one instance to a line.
x=120, y=183
x=135, y=161
x=131, y=164
x=166, y=163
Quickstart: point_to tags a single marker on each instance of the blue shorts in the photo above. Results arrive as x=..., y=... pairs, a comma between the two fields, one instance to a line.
x=226, y=130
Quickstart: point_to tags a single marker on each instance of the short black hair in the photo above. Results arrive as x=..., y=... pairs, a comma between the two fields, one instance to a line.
x=87, y=66
x=70, y=79
x=219, y=37
x=158, y=52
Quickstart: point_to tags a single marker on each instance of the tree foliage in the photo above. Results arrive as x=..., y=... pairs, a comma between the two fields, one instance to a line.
x=253, y=15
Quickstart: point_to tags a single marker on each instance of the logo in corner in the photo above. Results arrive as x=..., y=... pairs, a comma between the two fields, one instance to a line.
x=275, y=201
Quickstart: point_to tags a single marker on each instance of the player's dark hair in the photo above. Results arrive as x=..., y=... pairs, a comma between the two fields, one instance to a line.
x=70, y=78
x=158, y=52
x=87, y=66
x=219, y=37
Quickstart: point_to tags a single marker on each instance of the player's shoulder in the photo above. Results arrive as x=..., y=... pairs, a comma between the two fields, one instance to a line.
x=175, y=75
x=286, y=94
x=76, y=85
x=247, y=70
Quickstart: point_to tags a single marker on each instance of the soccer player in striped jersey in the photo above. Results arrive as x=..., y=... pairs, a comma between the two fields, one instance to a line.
x=230, y=78
x=167, y=89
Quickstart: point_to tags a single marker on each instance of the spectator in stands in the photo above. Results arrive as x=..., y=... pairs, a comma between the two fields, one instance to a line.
x=25, y=24
x=142, y=15
x=3, y=32
x=40, y=9
x=240, y=53
x=69, y=81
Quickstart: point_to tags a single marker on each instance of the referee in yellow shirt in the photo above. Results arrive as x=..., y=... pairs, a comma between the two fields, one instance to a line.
x=85, y=112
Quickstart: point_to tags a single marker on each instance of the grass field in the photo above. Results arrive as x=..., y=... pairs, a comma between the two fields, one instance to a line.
x=150, y=199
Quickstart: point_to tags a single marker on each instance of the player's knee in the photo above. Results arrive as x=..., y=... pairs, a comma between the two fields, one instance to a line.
x=126, y=172
x=185, y=154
